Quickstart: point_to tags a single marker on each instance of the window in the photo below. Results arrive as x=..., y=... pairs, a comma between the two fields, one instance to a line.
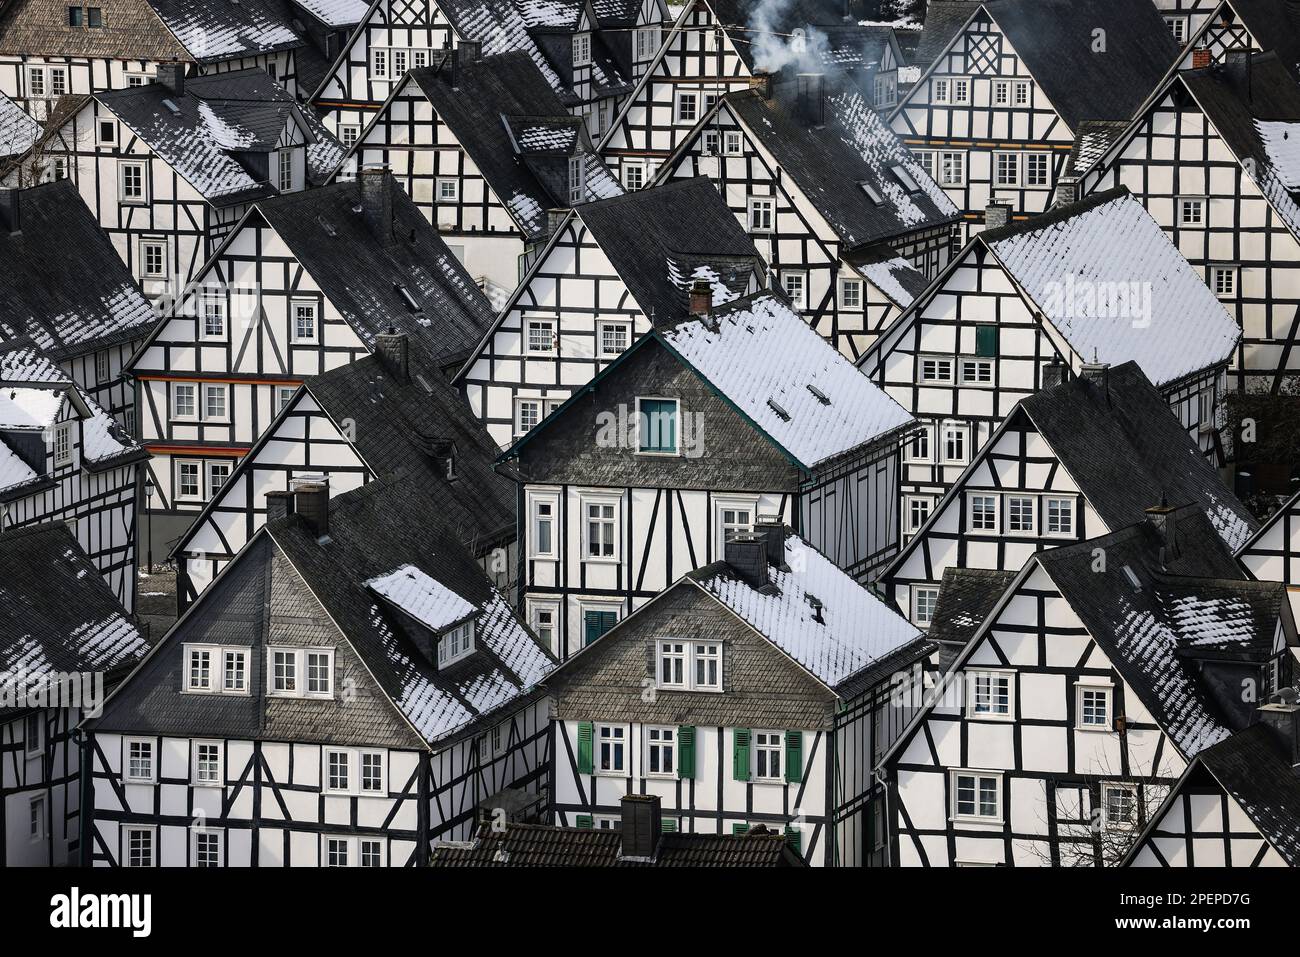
x=138, y=846
x=448, y=189
x=916, y=512
x=796, y=287
x=139, y=764
x=94, y=17
x=1093, y=706
x=976, y=371
x=288, y=666
x=1037, y=169
x=32, y=734
x=187, y=480
x=647, y=42
x=541, y=336
x=63, y=443
x=1205, y=409
x=207, y=848
x=183, y=401
x=36, y=81
x=935, y=369
x=952, y=168
x=850, y=293
x=1022, y=93
x=234, y=671
x=762, y=214
x=988, y=694
x=456, y=644
x=986, y=341
x=731, y=145
x=1006, y=169
x=379, y=63
x=601, y=531
x=399, y=63
x=528, y=412
x=543, y=530
x=304, y=320
x=349, y=133
x=1020, y=514
x=207, y=764
x=614, y=337
x=153, y=259
x=919, y=448
x=214, y=401
x=75, y=17
x=1001, y=92
x=769, y=747
x=1223, y=280
x=1119, y=804
x=657, y=426
x=1178, y=27
x=687, y=107
x=199, y=669
x=690, y=666
x=320, y=674
x=942, y=91
x=984, y=513
x=612, y=739
x=923, y=601
x=372, y=853
x=1191, y=211
x=673, y=669
x=660, y=746
x=976, y=795
x=581, y=49
x=1060, y=516
x=708, y=666
x=596, y=622
x=543, y=620
x=284, y=161
x=338, y=771
x=954, y=443
x=336, y=852
x=130, y=180
x=36, y=812
x=733, y=521
x=283, y=396
x=577, y=179
x=960, y=90
x=106, y=132
x=212, y=309
x=885, y=91
x=634, y=176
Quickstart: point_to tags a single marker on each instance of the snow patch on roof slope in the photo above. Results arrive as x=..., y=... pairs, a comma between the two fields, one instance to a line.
x=198, y=159
x=884, y=276
x=18, y=131
x=1281, y=139
x=227, y=135
x=425, y=599
x=336, y=13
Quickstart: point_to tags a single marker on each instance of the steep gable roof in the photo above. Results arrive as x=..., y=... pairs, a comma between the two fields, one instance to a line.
x=220, y=29
x=18, y=131
x=966, y=597
x=131, y=30
x=63, y=285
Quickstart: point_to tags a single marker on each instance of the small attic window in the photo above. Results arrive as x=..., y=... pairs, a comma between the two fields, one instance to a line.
x=903, y=176
x=406, y=297
x=781, y=413
x=577, y=179
x=819, y=395
x=872, y=193
x=172, y=107
x=456, y=644
x=1132, y=578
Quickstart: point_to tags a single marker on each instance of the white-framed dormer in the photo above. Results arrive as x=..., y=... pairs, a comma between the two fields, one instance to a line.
x=456, y=644
x=658, y=426
x=991, y=694
x=63, y=444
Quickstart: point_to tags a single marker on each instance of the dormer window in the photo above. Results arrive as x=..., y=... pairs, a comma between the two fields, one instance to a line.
x=63, y=444
x=577, y=179
x=689, y=665
x=456, y=644
x=581, y=49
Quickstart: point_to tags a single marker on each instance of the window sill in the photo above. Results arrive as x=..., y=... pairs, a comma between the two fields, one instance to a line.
x=991, y=718
x=588, y=560
x=1095, y=729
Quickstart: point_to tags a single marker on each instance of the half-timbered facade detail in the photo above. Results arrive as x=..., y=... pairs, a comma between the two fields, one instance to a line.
x=64, y=459
x=1077, y=703
x=382, y=697
x=848, y=222
x=383, y=414
x=610, y=271
x=51, y=48
x=720, y=751
x=695, y=435
x=65, y=289
x=305, y=283
x=1090, y=282
x=1273, y=553
x=1047, y=478
x=1211, y=161
x=995, y=114
x=58, y=621
x=169, y=168
x=487, y=151
x=1186, y=18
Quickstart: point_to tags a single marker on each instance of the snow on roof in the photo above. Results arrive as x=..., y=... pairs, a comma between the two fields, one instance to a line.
x=548, y=13
x=1108, y=278
x=13, y=470
x=547, y=137
x=336, y=13
x=790, y=381
x=1281, y=139
x=218, y=31
x=500, y=27
x=857, y=628
x=225, y=133
x=18, y=131
x=197, y=155
x=28, y=408
x=425, y=599
x=884, y=275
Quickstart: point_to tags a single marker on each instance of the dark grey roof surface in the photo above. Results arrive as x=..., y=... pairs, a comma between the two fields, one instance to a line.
x=1126, y=451
x=62, y=284
x=966, y=597
x=1275, y=24
x=943, y=20
x=539, y=845
x=1251, y=767
x=848, y=44
x=1091, y=140
x=1056, y=39
x=359, y=274
x=224, y=29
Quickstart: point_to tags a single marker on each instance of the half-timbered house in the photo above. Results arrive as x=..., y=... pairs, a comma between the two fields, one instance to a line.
x=850, y=224
x=1212, y=159
x=348, y=691
x=995, y=114
x=1272, y=554
x=305, y=283
x=325, y=26
x=1091, y=282
x=1216, y=27
x=1049, y=476
x=64, y=459
x=1236, y=805
x=718, y=46
x=384, y=414
x=679, y=701
x=587, y=52
x=169, y=168
x=65, y=289
x=1185, y=18
x=696, y=434
x=486, y=150
x=52, y=48
x=1102, y=670
x=610, y=271
x=65, y=641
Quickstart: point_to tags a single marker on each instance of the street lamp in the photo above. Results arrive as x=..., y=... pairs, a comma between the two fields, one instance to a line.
x=148, y=514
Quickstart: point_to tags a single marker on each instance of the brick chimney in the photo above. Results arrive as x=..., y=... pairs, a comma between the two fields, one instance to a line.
x=701, y=298
x=1200, y=58
x=772, y=528
x=377, y=203
x=762, y=83
x=747, y=555
x=171, y=76
x=11, y=211
x=279, y=505
x=812, y=98
x=312, y=502
x=1067, y=191
x=394, y=351
x=1282, y=716
x=642, y=826
x=997, y=214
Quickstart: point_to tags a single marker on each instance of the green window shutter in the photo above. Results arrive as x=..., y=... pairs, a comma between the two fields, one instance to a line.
x=740, y=829
x=584, y=821
x=686, y=752
x=597, y=623
x=795, y=837
x=584, y=747
x=794, y=756
x=667, y=826
x=740, y=753
x=986, y=341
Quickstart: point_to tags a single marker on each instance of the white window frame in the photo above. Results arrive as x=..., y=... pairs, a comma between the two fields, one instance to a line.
x=299, y=658
x=1033, y=514
x=146, y=244
x=634, y=175
x=284, y=176
x=179, y=492
x=535, y=518
x=851, y=300
x=1045, y=509
x=196, y=779
x=1132, y=791
x=446, y=189
x=960, y=91
x=602, y=327
x=729, y=504
x=379, y=60
x=979, y=365
x=622, y=737
x=694, y=653
x=587, y=500
x=955, y=428
x=1000, y=94
x=1021, y=93
x=103, y=366
x=535, y=609
x=520, y=402
x=1027, y=177
x=36, y=739
x=127, y=831
x=666, y=740
x=218, y=833
x=767, y=204
x=910, y=526
x=939, y=364
x=1006, y=162
x=63, y=444
x=212, y=305
x=133, y=199
x=349, y=134
x=799, y=301
x=127, y=776
x=581, y=49
x=976, y=818
x=1094, y=685
x=36, y=814
x=732, y=143
x=917, y=591
x=311, y=304
x=456, y=644
x=208, y=391
x=527, y=332
x=773, y=748
x=1199, y=204
x=282, y=396
x=993, y=676
x=943, y=164
x=679, y=99
x=996, y=499
x=1225, y=269
x=102, y=123
x=926, y=433
x=178, y=416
